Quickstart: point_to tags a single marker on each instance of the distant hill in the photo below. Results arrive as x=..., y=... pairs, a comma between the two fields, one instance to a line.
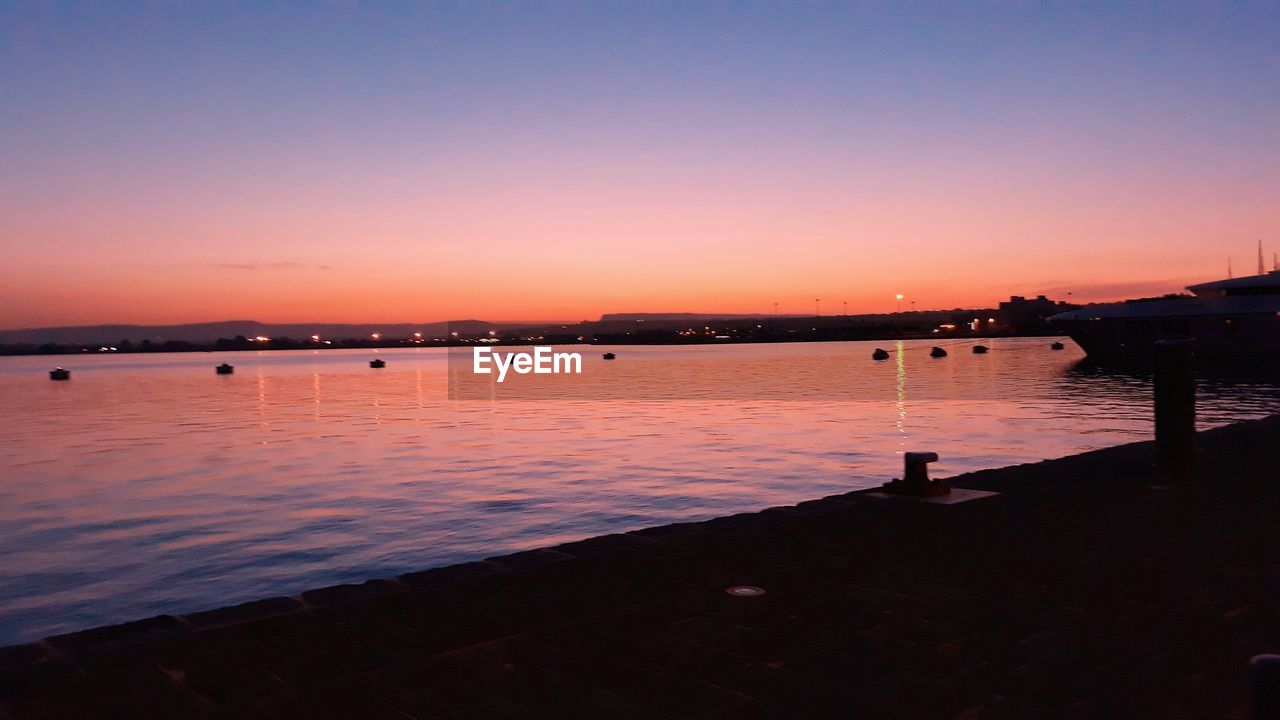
x=609, y=323
x=211, y=332
x=692, y=317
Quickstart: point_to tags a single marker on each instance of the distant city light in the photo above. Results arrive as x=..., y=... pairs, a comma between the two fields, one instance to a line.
x=417, y=335
x=375, y=336
x=315, y=338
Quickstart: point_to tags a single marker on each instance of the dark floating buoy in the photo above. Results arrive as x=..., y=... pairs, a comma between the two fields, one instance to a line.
x=880, y=354
x=224, y=369
x=59, y=374
x=1057, y=346
x=980, y=349
x=377, y=363
x=937, y=352
x=608, y=356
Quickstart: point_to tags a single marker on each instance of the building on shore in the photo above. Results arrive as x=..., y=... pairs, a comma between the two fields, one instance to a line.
x=1020, y=315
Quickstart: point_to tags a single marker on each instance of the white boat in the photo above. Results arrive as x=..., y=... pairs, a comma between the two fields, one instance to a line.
x=1234, y=317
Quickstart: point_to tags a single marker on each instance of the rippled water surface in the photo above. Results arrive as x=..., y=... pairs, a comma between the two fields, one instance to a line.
x=147, y=484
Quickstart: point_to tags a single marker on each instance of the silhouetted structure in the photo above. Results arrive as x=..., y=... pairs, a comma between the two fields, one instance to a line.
x=1175, y=403
x=915, y=477
x=1236, y=317
x=1020, y=315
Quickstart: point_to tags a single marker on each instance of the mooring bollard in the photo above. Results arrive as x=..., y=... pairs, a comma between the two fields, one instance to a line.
x=915, y=477
x=1175, y=403
x=1266, y=686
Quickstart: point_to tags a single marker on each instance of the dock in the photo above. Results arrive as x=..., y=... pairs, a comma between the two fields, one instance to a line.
x=1085, y=587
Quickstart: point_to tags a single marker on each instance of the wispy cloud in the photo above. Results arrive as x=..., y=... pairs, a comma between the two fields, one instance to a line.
x=256, y=266
x=1086, y=291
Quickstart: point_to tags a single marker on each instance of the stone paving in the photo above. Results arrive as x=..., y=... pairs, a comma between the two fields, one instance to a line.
x=1083, y=590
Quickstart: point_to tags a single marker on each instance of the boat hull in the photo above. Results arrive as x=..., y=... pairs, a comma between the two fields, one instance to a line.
x=1240, y=335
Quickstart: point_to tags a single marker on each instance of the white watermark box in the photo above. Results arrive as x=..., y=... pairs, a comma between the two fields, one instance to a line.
x=542, y=361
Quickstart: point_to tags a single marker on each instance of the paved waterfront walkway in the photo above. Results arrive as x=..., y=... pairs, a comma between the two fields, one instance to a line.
x=1079, y=592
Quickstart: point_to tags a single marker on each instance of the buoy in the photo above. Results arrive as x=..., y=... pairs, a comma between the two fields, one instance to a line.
x=608, y=356
x=880, y=354
x=1057, y=346
x=225, y=369
x=59, y=374
x=377, y=363
x=937, y=352
x=979, y=349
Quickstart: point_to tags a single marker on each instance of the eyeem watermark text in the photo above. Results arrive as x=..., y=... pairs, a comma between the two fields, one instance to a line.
x=542, y=361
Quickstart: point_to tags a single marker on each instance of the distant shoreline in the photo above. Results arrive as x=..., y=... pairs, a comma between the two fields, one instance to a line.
x=286, y=344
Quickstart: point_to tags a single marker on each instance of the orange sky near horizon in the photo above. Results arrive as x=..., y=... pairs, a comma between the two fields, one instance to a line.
x=534, y=247
x=171, y=165
x=738, y=254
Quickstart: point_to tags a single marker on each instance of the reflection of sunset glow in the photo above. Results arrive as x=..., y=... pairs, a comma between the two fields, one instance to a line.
x=901, y=404
x=409, y=474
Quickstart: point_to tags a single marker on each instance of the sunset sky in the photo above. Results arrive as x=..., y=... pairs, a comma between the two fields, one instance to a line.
x=350, y=162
